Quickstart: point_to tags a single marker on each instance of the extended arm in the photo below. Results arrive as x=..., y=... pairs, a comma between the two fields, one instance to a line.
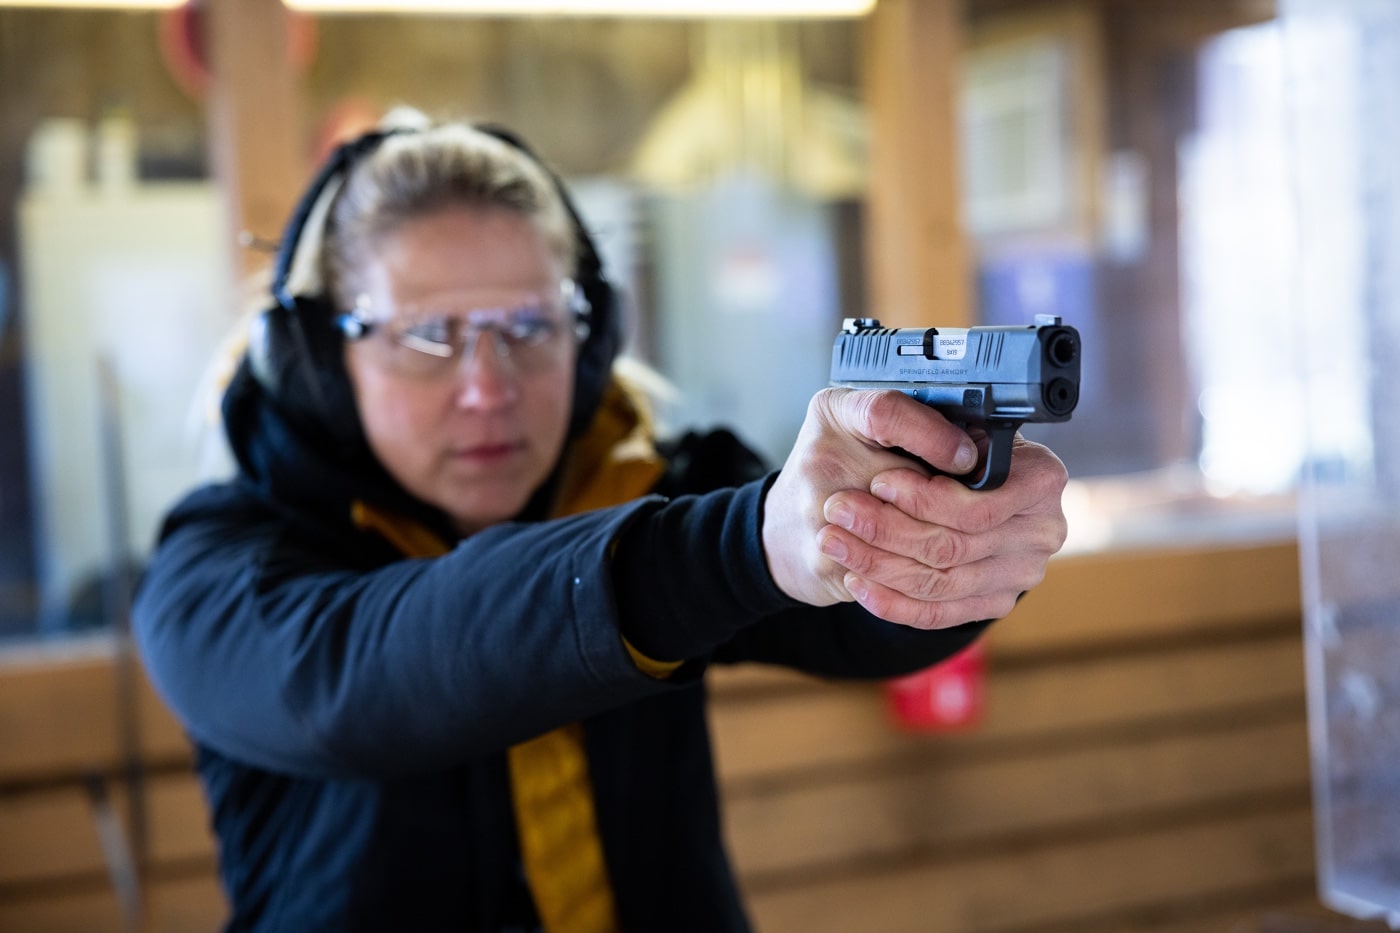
x=279, y=655
x=847, y=519
x=275, y=654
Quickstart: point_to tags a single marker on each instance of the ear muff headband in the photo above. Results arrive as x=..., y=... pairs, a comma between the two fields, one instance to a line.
x=604, y=340
x=336, y=167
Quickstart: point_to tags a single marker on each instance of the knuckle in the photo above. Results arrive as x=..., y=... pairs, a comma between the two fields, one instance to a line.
x=934, y=585
x=1036, y=536
x=1055, y=467
x=883, y=416
x=825, y=399
x=883, y=405
x=1000, y=606
x=825, y=406
x=836, y=586
x=944, y=548
x=1027, y=575
x=1035, y=575
x=860, y=559
x=1047, y=471
x=880, y=604
x=868, y=519
x=981, y=515
x=1046, y=536
x=1057, y=535
x=934, y=616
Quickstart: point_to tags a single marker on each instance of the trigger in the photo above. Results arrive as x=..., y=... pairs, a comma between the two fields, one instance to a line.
x=998, y=466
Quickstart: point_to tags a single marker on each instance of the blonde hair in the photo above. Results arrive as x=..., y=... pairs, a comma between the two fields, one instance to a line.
x=427, y=169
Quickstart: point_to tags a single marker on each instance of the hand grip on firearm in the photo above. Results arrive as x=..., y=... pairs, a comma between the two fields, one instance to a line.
x=995, y=378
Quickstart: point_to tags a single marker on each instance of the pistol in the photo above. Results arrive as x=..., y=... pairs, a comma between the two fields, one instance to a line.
x=993, y=378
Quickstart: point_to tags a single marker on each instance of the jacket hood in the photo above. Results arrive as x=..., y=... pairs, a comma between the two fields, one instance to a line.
x=308, y=468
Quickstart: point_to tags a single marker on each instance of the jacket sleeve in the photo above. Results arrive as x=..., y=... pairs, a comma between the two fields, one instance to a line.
x=273, y=653
x=666, y=569
x=845, y=641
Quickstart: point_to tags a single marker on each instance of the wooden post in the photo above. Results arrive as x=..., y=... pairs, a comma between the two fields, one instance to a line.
x=917, y=254
x=254, y=127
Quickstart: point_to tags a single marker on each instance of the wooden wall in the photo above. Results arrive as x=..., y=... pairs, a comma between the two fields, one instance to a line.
x=68, y=718
x=1142, y=766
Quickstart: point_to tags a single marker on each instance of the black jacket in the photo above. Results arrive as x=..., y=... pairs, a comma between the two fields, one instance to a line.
x=351, y=708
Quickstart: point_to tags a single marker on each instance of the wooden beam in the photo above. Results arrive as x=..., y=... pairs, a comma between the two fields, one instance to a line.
x=1147, y=596
x=762, y=741
x=916, y=251
x=1085, y=884
x=51, y=833
x=59, y=715
x=180, y=902
x=254, y=124
x=1052, y=796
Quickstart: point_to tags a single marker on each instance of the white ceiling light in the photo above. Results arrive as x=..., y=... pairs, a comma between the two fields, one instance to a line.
x=692, y=9
x=677, y=9
x=97, y=4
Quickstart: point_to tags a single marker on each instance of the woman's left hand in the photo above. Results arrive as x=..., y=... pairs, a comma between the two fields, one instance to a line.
x=930, y=553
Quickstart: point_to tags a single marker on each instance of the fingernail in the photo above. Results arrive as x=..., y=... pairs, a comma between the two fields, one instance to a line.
x=839, y=513
x=834, y=548
x=856, y=586
x=966, y=457
x=882, y=491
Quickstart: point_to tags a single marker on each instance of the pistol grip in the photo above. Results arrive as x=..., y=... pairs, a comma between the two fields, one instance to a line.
x=1000, y=438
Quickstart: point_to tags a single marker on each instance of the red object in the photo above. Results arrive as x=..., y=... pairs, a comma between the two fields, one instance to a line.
x=347, y=118
x=948, y=696
x=180, y=33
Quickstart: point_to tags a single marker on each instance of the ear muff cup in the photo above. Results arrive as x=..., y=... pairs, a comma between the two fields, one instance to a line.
x=593, y=369
x=296, y=357
x=294, y=351
x=270, y=358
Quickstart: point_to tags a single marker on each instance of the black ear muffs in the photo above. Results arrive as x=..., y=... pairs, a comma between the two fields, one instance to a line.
x=294, y=347
x=604, y=342
x=295, y=356
x=293, y=350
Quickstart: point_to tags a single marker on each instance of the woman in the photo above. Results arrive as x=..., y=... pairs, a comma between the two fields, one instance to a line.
x=440, y=643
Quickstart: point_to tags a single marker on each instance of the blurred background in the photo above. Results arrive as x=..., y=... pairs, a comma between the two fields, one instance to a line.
x=1207, y=189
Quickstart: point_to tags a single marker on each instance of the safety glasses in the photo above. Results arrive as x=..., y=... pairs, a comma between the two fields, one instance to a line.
x=427, y=340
